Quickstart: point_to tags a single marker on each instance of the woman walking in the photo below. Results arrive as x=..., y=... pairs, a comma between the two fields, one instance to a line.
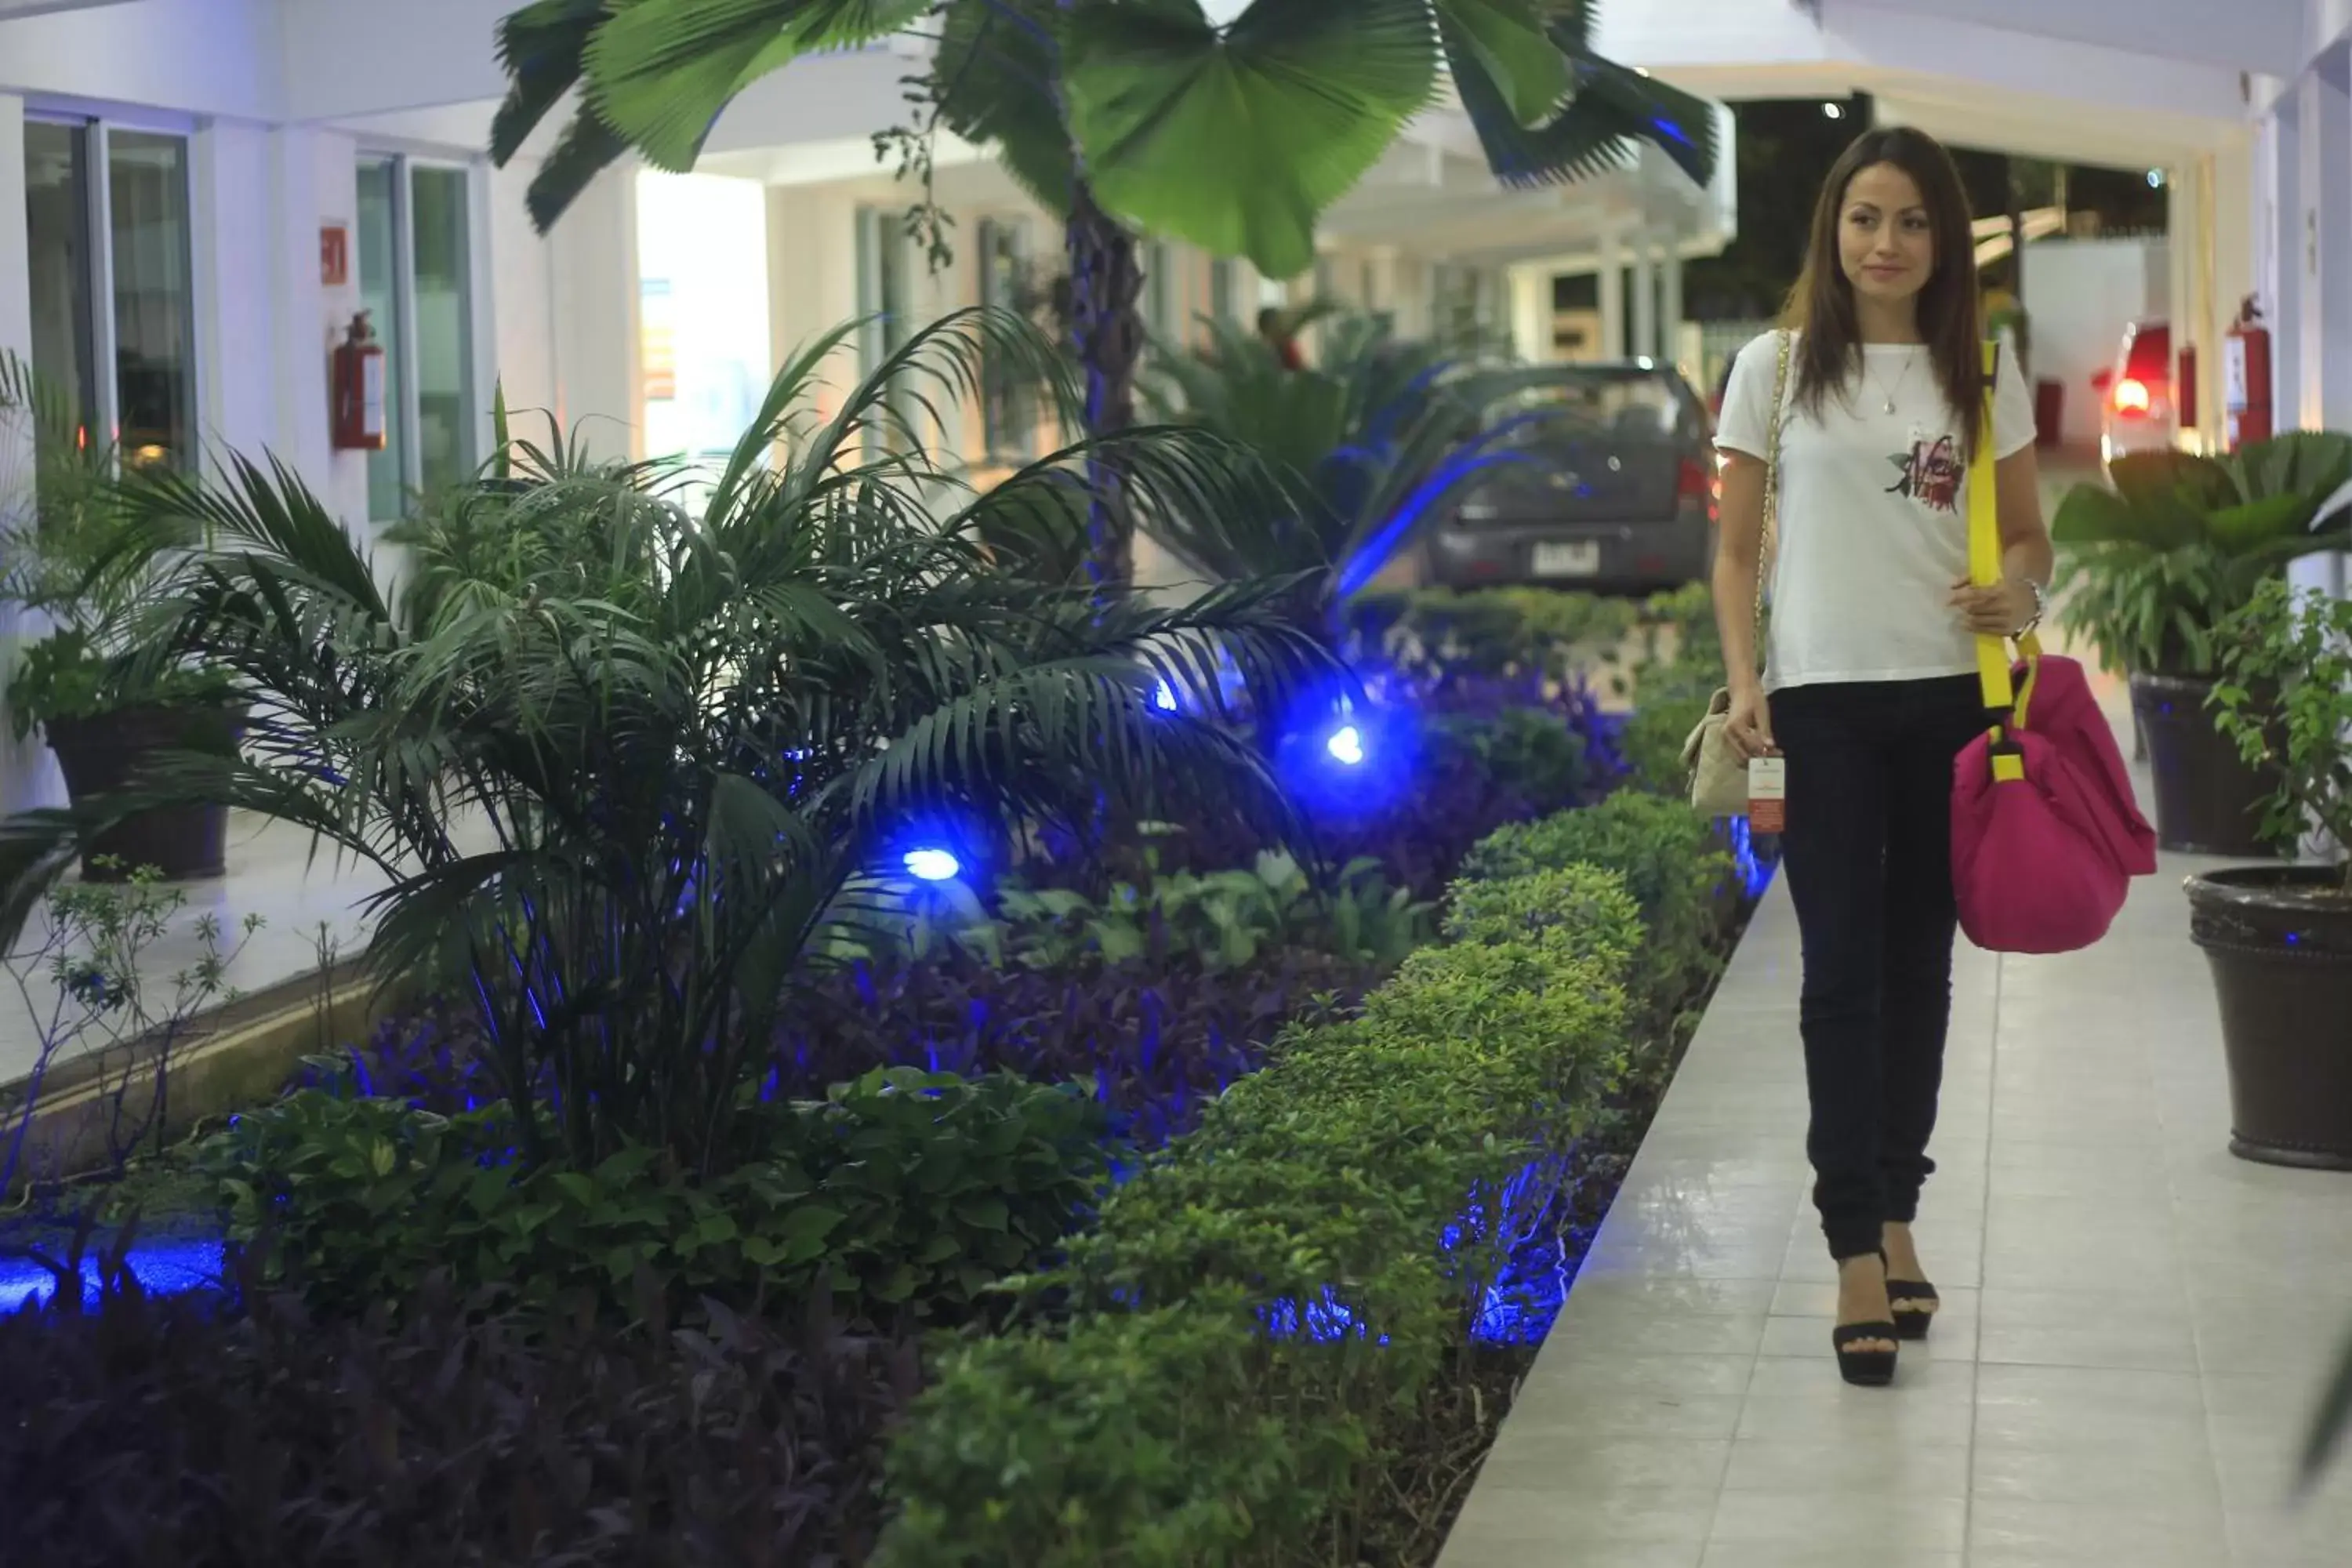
x=1861, y=417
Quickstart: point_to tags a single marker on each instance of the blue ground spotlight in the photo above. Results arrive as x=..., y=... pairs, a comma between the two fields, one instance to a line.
x=933, y=864
x=1352, y=762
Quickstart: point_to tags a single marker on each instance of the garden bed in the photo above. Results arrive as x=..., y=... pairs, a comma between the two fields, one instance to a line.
x=1330, y=1180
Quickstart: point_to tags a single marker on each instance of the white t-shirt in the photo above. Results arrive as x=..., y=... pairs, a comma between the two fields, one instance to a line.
x=1873, y=516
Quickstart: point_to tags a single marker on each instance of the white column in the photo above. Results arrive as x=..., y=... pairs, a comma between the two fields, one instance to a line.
x=1531, y=330
x=236, y=251
x=1670, y=311
x=598, y=384
x=2184, y=221
x=2326, y=169
x=15, y=255
x=1612, y=299
x=28, y=777
x=2283, y=301
x=1645, y=299
x=1385, y=294
x=2324, y=254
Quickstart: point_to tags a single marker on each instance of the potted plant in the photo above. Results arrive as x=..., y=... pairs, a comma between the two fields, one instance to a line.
x=106, y=705
x=2156, y=566
x=2279, y=937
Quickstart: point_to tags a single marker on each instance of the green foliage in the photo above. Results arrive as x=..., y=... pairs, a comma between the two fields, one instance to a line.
x=900, y=1192
x=1678, y=671
x=2286, y=698
x=1491, y=633
x=77, y=557
x=695, y=739
x=1235, y=138
x=1671, y=863
x=1584, y=906
x=1143, y=1439
x=2182, y=542
x=1531, y=751
x=1228, y=917
x=1370, y=441
x=1246, y=1335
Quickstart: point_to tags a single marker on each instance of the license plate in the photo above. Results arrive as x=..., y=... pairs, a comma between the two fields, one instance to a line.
x=1575, y=560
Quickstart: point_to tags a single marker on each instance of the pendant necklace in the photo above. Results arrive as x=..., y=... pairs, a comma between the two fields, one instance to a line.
x=1898, y=384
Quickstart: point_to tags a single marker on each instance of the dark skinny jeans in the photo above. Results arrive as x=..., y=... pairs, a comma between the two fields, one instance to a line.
x=1868, y=853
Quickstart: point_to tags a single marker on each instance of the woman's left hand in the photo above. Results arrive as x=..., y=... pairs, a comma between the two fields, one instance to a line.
x=1997, y=611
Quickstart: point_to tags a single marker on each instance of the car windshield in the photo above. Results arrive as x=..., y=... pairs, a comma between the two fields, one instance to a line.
x=1640, y=406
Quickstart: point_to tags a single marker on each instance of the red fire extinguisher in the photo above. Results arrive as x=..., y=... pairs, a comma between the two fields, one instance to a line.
x=2246, y=377
x=356, y=380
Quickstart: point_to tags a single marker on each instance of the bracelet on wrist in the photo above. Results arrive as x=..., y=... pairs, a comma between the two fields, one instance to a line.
x=2040, y=608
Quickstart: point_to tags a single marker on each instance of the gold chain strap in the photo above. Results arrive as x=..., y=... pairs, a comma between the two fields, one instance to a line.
x=1768, y=547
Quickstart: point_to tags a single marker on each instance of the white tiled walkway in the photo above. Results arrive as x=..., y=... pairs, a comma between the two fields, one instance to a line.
x=2136, y=1322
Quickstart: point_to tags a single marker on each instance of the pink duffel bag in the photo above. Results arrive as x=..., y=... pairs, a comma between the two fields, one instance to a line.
x=2046, y=835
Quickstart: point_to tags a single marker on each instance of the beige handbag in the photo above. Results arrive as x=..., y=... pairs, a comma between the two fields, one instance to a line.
x=1718, y=774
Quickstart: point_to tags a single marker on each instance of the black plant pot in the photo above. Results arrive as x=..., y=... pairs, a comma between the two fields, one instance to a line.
x=2279, y=939
x=106, y=752
x=2208, y=799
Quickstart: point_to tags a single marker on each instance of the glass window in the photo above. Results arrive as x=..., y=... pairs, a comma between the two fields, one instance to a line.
x=1008, y=404
x=416, y=282
x=1631, y=404
x=62, y=266
x=155, y=329
x=111, y=283
x=883, y=305
x=379, y=276
x=444, y=332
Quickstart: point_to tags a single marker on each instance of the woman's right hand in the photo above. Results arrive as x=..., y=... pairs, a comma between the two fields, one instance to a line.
x=1749, y=726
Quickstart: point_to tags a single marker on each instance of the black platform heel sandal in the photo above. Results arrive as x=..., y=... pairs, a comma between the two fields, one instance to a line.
x=1865, y=1368
x=1915, y=1303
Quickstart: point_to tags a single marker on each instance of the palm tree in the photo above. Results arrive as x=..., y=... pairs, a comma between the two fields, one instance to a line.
x=1370, y=442
x=1120, y=117
x=628, y=763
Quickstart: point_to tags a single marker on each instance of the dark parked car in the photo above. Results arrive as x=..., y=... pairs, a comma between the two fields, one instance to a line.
x=1619, y=491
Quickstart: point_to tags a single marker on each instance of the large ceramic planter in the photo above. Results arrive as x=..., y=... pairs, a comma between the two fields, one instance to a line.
x=107, y=752
x=2208, y=799
x=2280, y=942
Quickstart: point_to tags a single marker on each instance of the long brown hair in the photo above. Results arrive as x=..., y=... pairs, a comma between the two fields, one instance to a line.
x=1821, y=307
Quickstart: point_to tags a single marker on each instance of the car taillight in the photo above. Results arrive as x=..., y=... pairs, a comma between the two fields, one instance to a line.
x=1693, y=482
x=2132, y=396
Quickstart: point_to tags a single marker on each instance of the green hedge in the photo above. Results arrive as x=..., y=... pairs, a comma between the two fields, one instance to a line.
x=1161, y=1409
x=1491, y=631
x=1672, y=865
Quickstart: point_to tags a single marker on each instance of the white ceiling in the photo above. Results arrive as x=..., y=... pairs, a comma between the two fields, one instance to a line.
x=9, y=8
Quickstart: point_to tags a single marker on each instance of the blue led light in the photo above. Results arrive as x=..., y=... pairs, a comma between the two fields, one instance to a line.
x=932, y=864
x=1346, y=745
x=163, y=1267
x=1164, y=698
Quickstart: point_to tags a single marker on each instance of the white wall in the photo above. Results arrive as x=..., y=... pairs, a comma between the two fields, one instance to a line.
x=193, y=57
x=28, y=777
x=2079, y=295
x=2246, y=35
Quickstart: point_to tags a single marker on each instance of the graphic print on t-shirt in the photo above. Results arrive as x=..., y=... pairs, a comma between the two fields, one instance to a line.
x=1929, y=473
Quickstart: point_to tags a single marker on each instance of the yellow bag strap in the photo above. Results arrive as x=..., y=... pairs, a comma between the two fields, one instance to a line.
x=2001, y=694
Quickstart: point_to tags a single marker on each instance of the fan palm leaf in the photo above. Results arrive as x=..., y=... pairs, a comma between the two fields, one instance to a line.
x=1235, y=137
x=623, y=760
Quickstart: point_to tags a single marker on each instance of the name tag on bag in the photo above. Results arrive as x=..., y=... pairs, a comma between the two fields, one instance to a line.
x=1768, y=794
